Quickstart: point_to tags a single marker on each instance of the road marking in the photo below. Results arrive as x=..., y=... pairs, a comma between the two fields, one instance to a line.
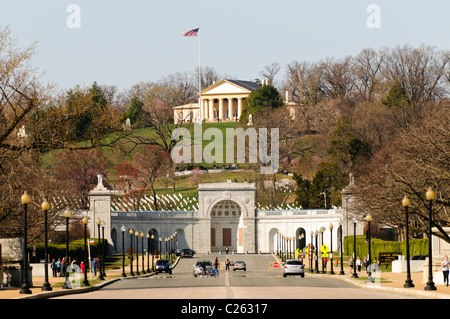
x=230, y=294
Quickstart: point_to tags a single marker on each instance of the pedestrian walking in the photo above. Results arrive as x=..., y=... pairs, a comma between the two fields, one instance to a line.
x=445, y=268
x=216, y=263
x=53, y=267
x=350, y=263
x=358, y=265
x=94, y=266
x=227, y=264
x=58, y=267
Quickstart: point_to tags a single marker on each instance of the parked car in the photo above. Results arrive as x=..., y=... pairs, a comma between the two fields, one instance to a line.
x=294, y=267
x=187, y=253
x=178, y=252
x=163, y=265
x=239, y=265
x=198, y=266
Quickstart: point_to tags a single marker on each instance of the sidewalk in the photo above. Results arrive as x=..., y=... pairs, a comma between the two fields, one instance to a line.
x=390, y=282
x=112, y=275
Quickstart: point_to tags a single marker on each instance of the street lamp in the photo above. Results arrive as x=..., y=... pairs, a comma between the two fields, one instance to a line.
x=368, y=220
x=408, y=282
x=123, y=250
x=131, y=232
x=86, y=262
x=45, y=207
x=331, y=248
x=137, y=252
x=153, y=249
x=25, y=199
x=430, y=284
x=67, y=214
x=160, y=251
x=103, y=264
x=354, y=275
x=148, y=252
x=316, y=257
x=342, y=253
x=311, y=253
x=142, y=250
x=322, y=229
x=98, y=222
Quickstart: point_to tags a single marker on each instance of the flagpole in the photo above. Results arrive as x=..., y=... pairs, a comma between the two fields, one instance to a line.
x=199, y=79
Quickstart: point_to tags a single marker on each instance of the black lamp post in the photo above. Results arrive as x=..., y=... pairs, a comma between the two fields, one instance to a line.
x=316, y=256
x=45, y=207
x=153, y=250
x=67, y=214
x=311, y=253
x=331, y=248
x=103, y=264
x=137, y=252
x=86, y=263
x=322, y=229
x=160, y=248
x=123, y=250
x=342, y=253
x=98, y=222
x=148, y=253
x=142, y=250
x=354, y=275
x=368, y=220
x=408, y=282
x=430, y=284
x=25, y=199
x=131, y=232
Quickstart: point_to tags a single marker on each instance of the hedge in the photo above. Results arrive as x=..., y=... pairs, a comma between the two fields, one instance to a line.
x=416, y=246
x=55, y=251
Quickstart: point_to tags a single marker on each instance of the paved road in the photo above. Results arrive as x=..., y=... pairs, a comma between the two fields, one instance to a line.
x=258, y=282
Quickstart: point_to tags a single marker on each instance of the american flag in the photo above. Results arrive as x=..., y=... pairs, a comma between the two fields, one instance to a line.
x=191, y=33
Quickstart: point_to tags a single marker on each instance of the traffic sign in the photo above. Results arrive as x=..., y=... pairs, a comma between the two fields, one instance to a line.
x=275, y=265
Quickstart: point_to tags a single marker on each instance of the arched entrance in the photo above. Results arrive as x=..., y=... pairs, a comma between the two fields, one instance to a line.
x=225, y=230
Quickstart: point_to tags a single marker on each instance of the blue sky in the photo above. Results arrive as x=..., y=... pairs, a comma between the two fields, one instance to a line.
x=124, y=42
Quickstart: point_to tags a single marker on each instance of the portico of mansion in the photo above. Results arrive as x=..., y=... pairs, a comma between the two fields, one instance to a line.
x=222, y=101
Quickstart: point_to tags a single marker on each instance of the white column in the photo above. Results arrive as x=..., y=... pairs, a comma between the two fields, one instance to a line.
x=230, y=109
x=239, y=112
x=205, y=110
x=211, y=110
x=221, y=109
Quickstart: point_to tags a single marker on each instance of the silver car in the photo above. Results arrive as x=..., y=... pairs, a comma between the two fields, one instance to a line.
x=294, y=267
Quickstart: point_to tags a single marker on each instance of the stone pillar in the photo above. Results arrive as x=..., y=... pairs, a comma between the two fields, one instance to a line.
x=100, y=207
x=211, y=110
x=230, y=109
x=205, y=110
x=239, y=112
x=221, y=109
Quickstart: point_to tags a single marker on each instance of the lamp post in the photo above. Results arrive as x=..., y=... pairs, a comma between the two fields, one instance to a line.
x=142, y=250
x=98, y=222
x=316, y=257
x=408, y=282
x=85, y=257
x=153, y=249
x=311, y=253
x=25, y=199
x=322, y=229
x=131, y=232
x=331, y=248
x=123, y=250
x=342, y=252
x=103, y=264
x=368, y=220
x=67, y=214
x=354, y=275
x=148, y=253
x=137, y=252
x=160, y=251
x=45, y=207
x=430, y=284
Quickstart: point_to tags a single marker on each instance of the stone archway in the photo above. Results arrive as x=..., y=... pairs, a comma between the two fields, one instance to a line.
x=225, y=226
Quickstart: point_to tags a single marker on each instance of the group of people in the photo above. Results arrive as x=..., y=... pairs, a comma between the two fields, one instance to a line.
x=357, y=265
x=61, y=265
